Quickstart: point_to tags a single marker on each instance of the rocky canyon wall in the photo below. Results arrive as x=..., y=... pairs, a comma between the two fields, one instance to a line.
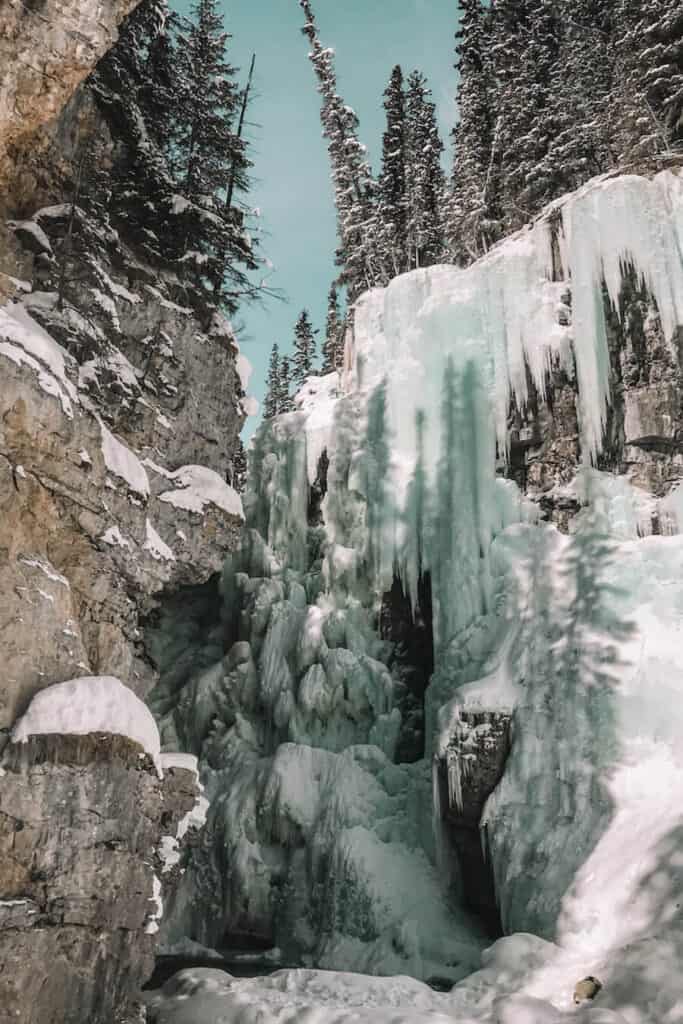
x=119, y=409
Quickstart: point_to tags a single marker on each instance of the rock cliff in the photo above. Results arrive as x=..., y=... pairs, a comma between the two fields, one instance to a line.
x=119, y=409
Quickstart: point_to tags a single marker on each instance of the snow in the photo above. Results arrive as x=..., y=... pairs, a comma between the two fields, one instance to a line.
x=123, y=463
x=210, y=996
x=189, y=950
x=198, y=487
x=25, y=342
x=47, y=569
x=113, y=536
x=90, y=704
x=31, y=228
x=188, y=762
x=157, y=547
x=124, y=293
x=56, y=212
x=250, y=405
x=152, y=926
x=244, y=370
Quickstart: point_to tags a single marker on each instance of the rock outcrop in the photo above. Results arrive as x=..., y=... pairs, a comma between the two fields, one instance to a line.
x=79, y=896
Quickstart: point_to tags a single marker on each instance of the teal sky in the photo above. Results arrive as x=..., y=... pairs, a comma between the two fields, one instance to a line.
x=291, y=175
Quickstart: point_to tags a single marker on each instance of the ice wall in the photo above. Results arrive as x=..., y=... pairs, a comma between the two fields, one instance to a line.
x=405, y=453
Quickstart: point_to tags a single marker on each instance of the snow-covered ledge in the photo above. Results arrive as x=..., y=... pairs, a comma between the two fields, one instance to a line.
x=88, y=705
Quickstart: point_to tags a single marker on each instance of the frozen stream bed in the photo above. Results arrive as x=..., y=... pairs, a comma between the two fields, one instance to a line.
x=519, y=977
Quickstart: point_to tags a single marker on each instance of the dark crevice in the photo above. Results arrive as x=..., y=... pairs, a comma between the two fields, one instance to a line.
x=472, y=768
x=318, y=491
x=183, y=634
x=412, y=660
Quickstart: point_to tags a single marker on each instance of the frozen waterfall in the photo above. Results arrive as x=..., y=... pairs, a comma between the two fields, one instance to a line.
x=317, y=840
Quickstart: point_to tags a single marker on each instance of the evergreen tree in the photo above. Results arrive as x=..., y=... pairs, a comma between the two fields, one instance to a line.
x=581, y=88
x=206, y=155
x=354, y=186
x=133, y=85
x=648, y=78
x=333, y=347
x=284, y=395
x=304, y=350
x=426, y=193
x=270, y=403
x=391, y=193
x=179, y=178
x=471, y=211
x=239, y=467
x=525, y=51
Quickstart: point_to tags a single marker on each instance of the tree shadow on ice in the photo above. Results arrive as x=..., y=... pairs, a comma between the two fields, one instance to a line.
x=555, y=804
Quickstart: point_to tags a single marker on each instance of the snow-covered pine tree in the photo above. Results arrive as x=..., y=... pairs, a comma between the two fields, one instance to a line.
x=354, y=186
x=132, y=87
x=648, y=93
x=333, y=345
x=270, y=402
x=284, y=393
x=426, y=182
x=472, y=220
x=304, y=349
x=580, y=144
x=207, y=155
x=530, y=179
x=392, y=200
x=525, y=35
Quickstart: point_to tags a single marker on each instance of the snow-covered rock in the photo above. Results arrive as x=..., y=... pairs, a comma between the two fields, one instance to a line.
x=90, y=704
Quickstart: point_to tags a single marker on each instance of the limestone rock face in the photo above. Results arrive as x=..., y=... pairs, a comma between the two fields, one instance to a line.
x=79, y=820
x=46, y=49
x=82, y=553
x=119, y=410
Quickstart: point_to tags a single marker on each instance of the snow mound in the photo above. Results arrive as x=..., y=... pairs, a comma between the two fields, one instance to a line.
x=91, y=704
x=197, y=487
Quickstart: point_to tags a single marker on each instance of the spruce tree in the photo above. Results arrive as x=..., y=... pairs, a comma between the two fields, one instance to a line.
x=426, y=190
x=284, y=393
x=354, y=186
x=239, y=467
x=134, y=87
x=334, y=334
x=392, y=198
x=525, y=49
x=207, y=155
x=304, y=350
x=581, y=140
x=270, y=403
x=648, y=104
x=472, y=221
